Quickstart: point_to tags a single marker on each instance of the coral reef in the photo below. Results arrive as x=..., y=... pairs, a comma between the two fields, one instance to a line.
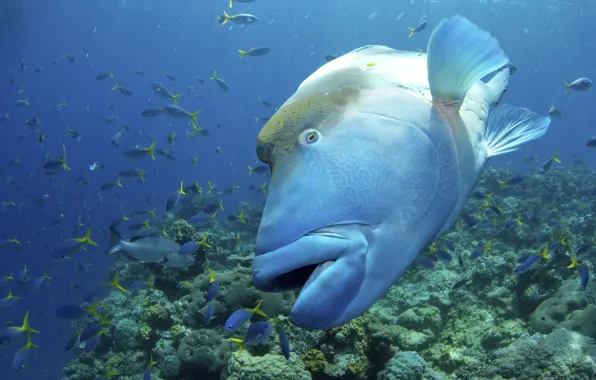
x=470, y=316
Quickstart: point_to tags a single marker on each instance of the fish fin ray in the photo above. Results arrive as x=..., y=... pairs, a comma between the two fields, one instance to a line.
x=459, y=53
x=497, y=86
x=509, y=127
x=115, y=240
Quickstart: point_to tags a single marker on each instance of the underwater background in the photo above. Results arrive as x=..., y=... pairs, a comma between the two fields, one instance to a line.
x=505, y=294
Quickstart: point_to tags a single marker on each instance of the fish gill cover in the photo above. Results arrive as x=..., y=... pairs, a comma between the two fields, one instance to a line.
x=97, y=159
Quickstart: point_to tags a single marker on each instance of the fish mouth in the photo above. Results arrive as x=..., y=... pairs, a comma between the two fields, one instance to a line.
x=290, y=267
x=329, y=264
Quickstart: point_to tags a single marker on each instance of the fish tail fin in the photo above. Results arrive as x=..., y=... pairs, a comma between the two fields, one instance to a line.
x=231, y=3
x=498, y=86
x=214, y=77
x=115, y=86
x=459, y=53
x=25, y=327
x=412, y=31
x=257, y=310
x=150, y=149
x=115, y=240
x=556, y=157
x=194, y=116
x=87, y=238
x=250, y=170
x=175, y=98
x=503, y=183
x=242, y=53
x=226, y=18
x=239, y=342
x=509, y=127
x=566, y=87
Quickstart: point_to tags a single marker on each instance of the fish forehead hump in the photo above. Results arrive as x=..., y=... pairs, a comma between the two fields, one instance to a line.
x=321, y=100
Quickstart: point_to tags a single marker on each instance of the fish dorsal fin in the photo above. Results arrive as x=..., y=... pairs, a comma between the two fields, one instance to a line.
x=459, y=54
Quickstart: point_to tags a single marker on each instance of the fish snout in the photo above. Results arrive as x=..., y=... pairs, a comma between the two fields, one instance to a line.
x=330, y=266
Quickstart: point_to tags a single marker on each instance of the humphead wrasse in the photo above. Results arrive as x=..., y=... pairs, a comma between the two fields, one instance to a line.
x=372, y=159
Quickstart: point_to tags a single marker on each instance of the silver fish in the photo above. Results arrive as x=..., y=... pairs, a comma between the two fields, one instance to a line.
x=149, y=249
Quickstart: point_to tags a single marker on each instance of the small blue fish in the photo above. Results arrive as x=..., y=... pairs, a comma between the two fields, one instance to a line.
x=584, y=275
x=478, y=195
x=72, y=341
x=543, y=214
x=209, y=312
x=449, y=244
x=80, y=267
x=92, y=343
x=90, y=331
x=549, y=163
x=469, y=220
x=530, y=260
x=175, y=197
x=38, y=283
x=495, y=209
x=515, y=180
x=284, y=344
x=425, y=262
x=510, y=224
x=443, y=255
x=257, y=333
x=19, y=360
x=522, y=258
x=241, y=316
x=9, y=337
x=23, y=277
x=137, y=285
x=91, y=296
x=481, y=247
x=173, y=201
x=200, y=218
x=212, y=291
x=583, y=249
x=189, y=248
x=147, y=374
x=486, y=226
x=71, y=312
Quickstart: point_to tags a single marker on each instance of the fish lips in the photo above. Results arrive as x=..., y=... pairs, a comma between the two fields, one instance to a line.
x=330, y=266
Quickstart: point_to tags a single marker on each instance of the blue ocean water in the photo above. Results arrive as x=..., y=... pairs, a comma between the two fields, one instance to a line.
x=549, y=41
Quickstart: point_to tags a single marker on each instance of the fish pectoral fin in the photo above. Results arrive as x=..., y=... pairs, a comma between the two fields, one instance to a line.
x=459, y=53
x=509, y=127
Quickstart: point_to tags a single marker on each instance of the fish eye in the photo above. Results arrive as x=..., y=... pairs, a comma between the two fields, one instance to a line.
x=309, y=137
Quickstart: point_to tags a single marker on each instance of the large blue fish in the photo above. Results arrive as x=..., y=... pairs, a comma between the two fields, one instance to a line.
x=373, y=158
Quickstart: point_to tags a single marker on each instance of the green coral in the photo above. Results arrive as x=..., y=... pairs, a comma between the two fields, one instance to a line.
x=185, y=285
x=116, y=361
x=352, y=333
x=177, y=331
x=146, y=332
x=314, y=360
x=156, y=315
x=181, y=231
x=358, y=366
